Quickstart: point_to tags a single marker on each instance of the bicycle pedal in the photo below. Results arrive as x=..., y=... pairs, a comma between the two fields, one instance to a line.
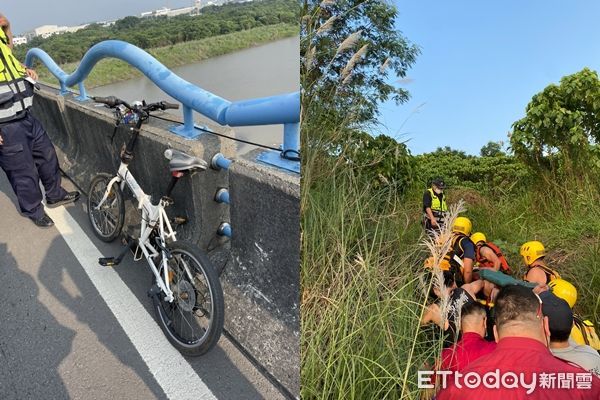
x=107, y=261
x=154, y=291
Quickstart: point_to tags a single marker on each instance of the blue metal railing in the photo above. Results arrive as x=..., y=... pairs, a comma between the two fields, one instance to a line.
x=282, y=109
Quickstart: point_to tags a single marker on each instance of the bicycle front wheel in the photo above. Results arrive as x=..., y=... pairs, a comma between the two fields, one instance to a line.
x=193, y=322
x=108, y=220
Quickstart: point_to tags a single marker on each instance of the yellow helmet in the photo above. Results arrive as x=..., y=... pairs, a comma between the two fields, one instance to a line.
x=565, y=290
x=531, y=251
x=462, y=225
x=478, y=237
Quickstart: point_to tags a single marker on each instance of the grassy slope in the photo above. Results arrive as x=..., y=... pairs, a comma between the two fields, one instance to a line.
x=361, y=257
x=565, y=217
x=361, y=303
x=113, y=70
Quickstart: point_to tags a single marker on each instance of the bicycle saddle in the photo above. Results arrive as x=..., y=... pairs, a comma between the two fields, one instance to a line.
x=180, y=161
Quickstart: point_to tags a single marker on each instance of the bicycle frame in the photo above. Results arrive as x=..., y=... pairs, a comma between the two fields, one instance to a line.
x=153, y=216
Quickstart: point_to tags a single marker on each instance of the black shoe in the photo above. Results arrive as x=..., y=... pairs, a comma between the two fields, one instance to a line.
x=70, y=197
x=43, y=222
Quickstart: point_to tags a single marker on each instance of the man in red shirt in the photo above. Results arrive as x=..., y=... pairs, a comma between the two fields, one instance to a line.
x=471, y=346
x=521, y=367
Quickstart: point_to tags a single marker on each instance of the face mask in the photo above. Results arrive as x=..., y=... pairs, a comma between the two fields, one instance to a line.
x=438, y=191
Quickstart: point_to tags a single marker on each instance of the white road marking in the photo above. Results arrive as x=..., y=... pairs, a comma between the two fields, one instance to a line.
x=172, y=372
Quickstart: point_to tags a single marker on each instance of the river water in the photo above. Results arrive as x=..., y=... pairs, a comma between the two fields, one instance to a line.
x=260, y=71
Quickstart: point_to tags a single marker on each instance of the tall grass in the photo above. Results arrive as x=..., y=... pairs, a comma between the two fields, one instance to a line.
x=564, y=214
x=363, y=255
x=361, y=297
x=362, y=258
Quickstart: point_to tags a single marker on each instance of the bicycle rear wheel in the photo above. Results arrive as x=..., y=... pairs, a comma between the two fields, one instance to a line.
x=193, y=322
x=107, y=222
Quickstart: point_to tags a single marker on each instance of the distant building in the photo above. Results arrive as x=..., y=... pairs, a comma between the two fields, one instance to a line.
x=17, y=40
x=43, y=31
x=162, y=11
x=46, y=31
x=194, y=10
x=75, y=28
x=156, y=13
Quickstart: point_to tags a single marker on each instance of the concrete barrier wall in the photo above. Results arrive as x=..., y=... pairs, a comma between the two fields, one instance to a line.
x=261, y=263
x=265, y=277
x=81, y=133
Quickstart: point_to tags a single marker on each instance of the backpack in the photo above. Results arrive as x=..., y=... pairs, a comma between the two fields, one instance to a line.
x=504, y=267
x=451, y=261
x=583, y=332
x=454, y=258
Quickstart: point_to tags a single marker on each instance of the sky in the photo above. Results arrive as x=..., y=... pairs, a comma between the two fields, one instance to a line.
x=480, y=64
x=26, y=15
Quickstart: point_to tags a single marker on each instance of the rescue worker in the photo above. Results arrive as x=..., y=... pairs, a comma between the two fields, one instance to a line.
x=26, y=152
x=457, y=298
x=488, y=255
x=522, y=351
x=533, y=254
x=471, y=345
x=583, y=331
x=434, y=206
x=560, y=322
x=564, y=290
x=462, y=254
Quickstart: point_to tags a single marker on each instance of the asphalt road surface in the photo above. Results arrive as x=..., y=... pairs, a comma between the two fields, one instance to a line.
x=70, y=329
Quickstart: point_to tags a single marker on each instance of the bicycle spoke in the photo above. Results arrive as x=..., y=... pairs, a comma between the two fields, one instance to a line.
x=186, y=321
x=105, y=219
x=112, y=219
x=192, y=323
x=181, y=276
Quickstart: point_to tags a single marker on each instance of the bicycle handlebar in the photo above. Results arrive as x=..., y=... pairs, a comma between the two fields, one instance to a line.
x=112, y=102
x=169, y=105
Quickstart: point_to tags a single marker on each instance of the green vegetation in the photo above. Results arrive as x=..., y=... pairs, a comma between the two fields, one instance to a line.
x=349, y=48
x=173, y=41
x=361, y=211
x=113, y=70
x=148, y=33
x=560, y=132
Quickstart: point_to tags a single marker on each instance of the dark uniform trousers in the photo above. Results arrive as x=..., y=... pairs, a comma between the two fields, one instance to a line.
x=28, y=156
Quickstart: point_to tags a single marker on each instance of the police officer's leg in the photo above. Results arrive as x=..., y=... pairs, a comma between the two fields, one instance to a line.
x=45, y=160
x=17, y=162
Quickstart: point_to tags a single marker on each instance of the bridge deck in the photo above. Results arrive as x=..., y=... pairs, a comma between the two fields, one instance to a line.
x=60, y=339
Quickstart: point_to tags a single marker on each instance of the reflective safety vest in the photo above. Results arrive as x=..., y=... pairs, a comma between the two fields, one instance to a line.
x=583, y=332
x=452, y=261
x=16, y=94
x=550, y=273
x=438, y=208
x=454, y=257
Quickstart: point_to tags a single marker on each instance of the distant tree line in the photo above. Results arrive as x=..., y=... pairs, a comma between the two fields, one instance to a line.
x=161, y=31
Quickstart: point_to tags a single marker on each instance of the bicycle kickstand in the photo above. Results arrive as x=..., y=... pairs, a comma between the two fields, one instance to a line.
x=112, y=261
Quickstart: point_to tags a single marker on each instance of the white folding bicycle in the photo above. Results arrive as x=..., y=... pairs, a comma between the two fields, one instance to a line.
x=186, y=292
